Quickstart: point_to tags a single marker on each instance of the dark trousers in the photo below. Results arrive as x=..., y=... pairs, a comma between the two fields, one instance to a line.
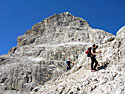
x=93, y=60
x=68, y=68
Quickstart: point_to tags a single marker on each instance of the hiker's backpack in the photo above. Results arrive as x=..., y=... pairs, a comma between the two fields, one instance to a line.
x=88, y=52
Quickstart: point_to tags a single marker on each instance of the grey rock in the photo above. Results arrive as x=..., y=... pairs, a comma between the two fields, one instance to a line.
x=121, y=32
x=37, y=64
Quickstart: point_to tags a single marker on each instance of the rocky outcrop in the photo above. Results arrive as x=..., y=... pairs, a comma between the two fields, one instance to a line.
x=41, y=53
x=121, y=32
x=80, y=80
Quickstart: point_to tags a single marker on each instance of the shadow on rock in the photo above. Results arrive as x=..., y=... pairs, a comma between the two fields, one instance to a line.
x=103, y=66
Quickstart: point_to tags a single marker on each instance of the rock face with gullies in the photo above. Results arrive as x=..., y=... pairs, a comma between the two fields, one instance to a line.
x=40, y=55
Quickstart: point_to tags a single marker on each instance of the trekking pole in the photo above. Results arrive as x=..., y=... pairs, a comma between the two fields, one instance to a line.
x=101, y=56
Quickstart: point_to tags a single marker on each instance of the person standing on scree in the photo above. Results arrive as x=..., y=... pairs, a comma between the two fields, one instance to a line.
x=68, y=64
x=93, y=58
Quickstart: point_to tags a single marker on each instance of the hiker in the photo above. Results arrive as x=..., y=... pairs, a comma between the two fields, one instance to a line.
x=68, y=64
x=93, y=57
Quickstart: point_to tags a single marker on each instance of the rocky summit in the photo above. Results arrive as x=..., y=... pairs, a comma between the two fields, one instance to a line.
x=37, y=64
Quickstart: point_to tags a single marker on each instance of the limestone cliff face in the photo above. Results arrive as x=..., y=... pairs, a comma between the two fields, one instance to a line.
x=41, y=53
x=61, y=28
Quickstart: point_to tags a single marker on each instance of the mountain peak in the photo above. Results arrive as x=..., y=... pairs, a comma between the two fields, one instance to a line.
x=58, y=23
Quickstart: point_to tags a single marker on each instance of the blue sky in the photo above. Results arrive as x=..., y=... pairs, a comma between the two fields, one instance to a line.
x=17, y=16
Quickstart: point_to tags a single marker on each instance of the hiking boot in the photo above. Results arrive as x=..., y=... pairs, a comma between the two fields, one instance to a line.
x=92, y=70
